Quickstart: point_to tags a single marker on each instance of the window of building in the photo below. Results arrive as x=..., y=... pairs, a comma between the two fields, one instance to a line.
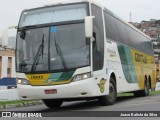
x=8, y=71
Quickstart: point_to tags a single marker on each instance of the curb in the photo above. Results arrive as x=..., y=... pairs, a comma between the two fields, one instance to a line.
x=25, y=104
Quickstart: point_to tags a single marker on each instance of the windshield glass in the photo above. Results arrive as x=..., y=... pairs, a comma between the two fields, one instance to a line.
x=71, y=42
x=28, y=49
x=53, y=14
x=59, y=47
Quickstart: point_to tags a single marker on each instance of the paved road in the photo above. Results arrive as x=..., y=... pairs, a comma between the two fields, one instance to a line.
x=150, y=103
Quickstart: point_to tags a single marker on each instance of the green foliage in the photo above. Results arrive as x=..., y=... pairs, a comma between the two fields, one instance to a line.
x=131, y=94
x=14, y=102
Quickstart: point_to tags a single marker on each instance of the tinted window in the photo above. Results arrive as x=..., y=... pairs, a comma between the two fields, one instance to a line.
x=122, y=33
x=98, y=33
x=111, y=29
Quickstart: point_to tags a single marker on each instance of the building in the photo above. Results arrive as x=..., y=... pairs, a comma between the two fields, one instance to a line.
x=7, y=63
x=8, y=82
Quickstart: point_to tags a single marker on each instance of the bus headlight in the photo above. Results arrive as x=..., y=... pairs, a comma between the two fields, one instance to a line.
x=81, y=77
x=23, y=81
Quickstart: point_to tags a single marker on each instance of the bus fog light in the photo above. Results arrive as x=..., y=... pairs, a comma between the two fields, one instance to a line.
x=81, y=77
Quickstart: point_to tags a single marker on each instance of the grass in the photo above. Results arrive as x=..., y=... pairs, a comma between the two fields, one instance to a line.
x=14, y=102
x=155, y=92
x=131, y=94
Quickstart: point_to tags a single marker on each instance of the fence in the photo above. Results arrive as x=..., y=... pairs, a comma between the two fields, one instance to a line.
x=8, y=94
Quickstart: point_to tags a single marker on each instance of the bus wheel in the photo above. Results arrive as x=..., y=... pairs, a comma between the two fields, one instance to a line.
x=53, y=103
x=144, y=92
x=111, y=98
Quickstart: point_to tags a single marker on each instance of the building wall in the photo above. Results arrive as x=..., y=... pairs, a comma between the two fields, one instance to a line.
x=7, y=64
x=13, y=73
x=9, y=94
x=4, y=66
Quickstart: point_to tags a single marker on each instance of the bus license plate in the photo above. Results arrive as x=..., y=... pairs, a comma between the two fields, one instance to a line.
x=52, y=91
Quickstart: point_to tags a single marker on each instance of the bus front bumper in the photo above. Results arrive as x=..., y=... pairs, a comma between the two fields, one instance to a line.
x=79, y=89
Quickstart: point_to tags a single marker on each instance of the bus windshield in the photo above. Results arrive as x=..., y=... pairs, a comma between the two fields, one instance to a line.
x=54, y=47
x=53, y=15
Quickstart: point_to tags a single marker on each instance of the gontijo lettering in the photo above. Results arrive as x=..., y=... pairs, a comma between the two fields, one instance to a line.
x=140, y=58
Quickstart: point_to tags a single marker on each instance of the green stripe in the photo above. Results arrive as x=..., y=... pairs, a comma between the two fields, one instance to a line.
x=127, y=64
x=62, y=76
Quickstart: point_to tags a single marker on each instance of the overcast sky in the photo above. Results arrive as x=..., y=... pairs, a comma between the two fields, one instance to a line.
x=10, y=10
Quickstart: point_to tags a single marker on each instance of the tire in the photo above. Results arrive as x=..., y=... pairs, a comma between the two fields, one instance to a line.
x=145, y=92
x=53, y=103
x=111, y=98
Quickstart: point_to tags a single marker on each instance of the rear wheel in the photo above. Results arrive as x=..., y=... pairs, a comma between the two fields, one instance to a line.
x=111, y=98
x=144, y=92
x=53, y=103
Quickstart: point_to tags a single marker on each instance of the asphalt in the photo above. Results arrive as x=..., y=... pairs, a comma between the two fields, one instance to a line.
x=123, y=104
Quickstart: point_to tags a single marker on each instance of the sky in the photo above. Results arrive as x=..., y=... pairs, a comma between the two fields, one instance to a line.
x=10, y=10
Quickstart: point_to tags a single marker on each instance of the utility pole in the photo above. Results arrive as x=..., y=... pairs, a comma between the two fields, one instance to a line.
x=130, y=17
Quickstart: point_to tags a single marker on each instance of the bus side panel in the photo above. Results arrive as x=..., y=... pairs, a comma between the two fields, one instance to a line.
x=144, y=66
x=119, y=60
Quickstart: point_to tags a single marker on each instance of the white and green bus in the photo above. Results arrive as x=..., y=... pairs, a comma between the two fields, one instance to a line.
x=81, y=51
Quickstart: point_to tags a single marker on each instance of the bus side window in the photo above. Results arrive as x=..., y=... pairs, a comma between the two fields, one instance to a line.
x=98, y=34
x=94, y=43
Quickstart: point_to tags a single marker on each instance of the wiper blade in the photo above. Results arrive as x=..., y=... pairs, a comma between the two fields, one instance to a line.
x=26, y=27
x=59, y=52
x=38, y=54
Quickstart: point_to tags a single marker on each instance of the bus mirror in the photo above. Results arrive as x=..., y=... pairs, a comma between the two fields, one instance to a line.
x=22, y=34
x=89, y=26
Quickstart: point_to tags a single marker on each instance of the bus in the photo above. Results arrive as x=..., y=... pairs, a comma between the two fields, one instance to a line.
x=81, y=51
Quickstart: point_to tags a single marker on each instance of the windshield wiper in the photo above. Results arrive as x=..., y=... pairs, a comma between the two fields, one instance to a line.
x=29, y=26
x=38, y=54
x=59, y=52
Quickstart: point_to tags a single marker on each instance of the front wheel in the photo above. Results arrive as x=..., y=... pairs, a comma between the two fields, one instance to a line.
x=53, y=103
x=111, y=98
